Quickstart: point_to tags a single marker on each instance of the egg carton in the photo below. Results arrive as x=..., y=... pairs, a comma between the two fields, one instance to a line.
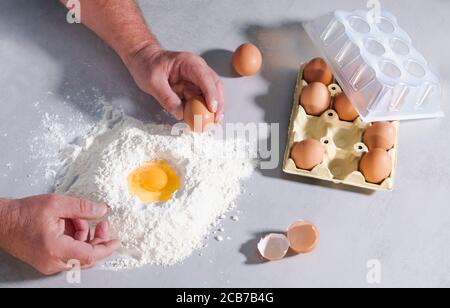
x=342, y=142
x=378, y=68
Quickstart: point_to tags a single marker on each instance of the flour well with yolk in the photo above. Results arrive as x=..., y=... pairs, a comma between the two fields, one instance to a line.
x=165, y=191
x=156, y=181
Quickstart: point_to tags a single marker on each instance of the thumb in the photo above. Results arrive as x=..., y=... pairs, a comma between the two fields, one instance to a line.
x=168, y=99
x=73, y=208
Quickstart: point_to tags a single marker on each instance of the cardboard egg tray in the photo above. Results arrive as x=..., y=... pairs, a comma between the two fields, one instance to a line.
x=342, y=141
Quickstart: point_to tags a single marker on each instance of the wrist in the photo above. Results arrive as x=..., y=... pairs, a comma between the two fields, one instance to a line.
x=148, y=47
x=4, y=224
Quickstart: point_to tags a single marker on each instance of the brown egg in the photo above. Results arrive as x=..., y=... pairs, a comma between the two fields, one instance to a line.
x=303, y=236
x=380, y=135
x=197, y=115
x=247, y=60
x=307, y=154
x=317, y=70
x=376, y=166
x=344, y=108
x=315, y=98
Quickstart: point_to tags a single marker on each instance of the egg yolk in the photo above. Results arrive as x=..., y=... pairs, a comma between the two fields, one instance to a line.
x=153, y=179
x=156, y=181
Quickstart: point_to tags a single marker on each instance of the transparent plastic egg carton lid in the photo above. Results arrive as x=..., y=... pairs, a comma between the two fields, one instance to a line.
x=375, y=63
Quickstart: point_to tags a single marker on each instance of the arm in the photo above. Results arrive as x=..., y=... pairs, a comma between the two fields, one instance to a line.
x=50, y=230
x=169, y=76
x=3, y=222
x=120, y=24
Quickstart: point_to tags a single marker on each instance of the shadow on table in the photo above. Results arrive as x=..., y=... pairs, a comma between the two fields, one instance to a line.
x=284, y=47
x=250, y=248
x=220, y=61
x=90, y=68
x=13, y=270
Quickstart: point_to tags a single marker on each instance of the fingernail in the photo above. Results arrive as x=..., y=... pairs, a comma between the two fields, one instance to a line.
x=214, y=105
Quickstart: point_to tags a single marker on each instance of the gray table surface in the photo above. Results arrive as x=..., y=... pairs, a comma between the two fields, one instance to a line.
x=407, y=230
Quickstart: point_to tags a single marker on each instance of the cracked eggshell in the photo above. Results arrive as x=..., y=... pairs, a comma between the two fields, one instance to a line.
x=273, y=246
x=303, y=236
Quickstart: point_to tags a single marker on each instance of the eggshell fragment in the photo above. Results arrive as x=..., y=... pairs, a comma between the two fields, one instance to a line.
x=376, y=166
x=380, y=135
x=317, y=70
x=303, y=236
x=307, y=154
x=273, y=246
x=247, y=60
x=315, y=98
x=344, y=108
x=197, y=115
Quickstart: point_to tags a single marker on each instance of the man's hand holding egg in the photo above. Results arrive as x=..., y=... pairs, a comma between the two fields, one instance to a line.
x=173, y=77
x=247, y=61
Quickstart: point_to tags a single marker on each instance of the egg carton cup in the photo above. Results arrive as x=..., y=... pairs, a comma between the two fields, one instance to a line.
x=342, y=141
x=377, y=66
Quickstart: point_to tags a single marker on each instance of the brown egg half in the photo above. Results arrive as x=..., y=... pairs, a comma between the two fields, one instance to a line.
x=344, y=108
x=197, y=115
x=303, y=236
x=315, y=98
x=317, y=70
x=376, y=166
x=307, y=154
x=247, y=60
x=380, y=135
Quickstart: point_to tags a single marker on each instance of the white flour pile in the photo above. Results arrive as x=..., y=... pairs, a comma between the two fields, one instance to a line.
x=211, y=172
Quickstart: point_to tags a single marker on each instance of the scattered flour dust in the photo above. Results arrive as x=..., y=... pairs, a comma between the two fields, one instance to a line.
x=211, y=171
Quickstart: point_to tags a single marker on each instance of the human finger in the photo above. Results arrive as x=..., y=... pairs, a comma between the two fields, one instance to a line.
x=222, y=103
x=202, y=77
x=102, y=231
x=87, y=253
x=168, y=99
x=82, y=230
x=68, y=207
